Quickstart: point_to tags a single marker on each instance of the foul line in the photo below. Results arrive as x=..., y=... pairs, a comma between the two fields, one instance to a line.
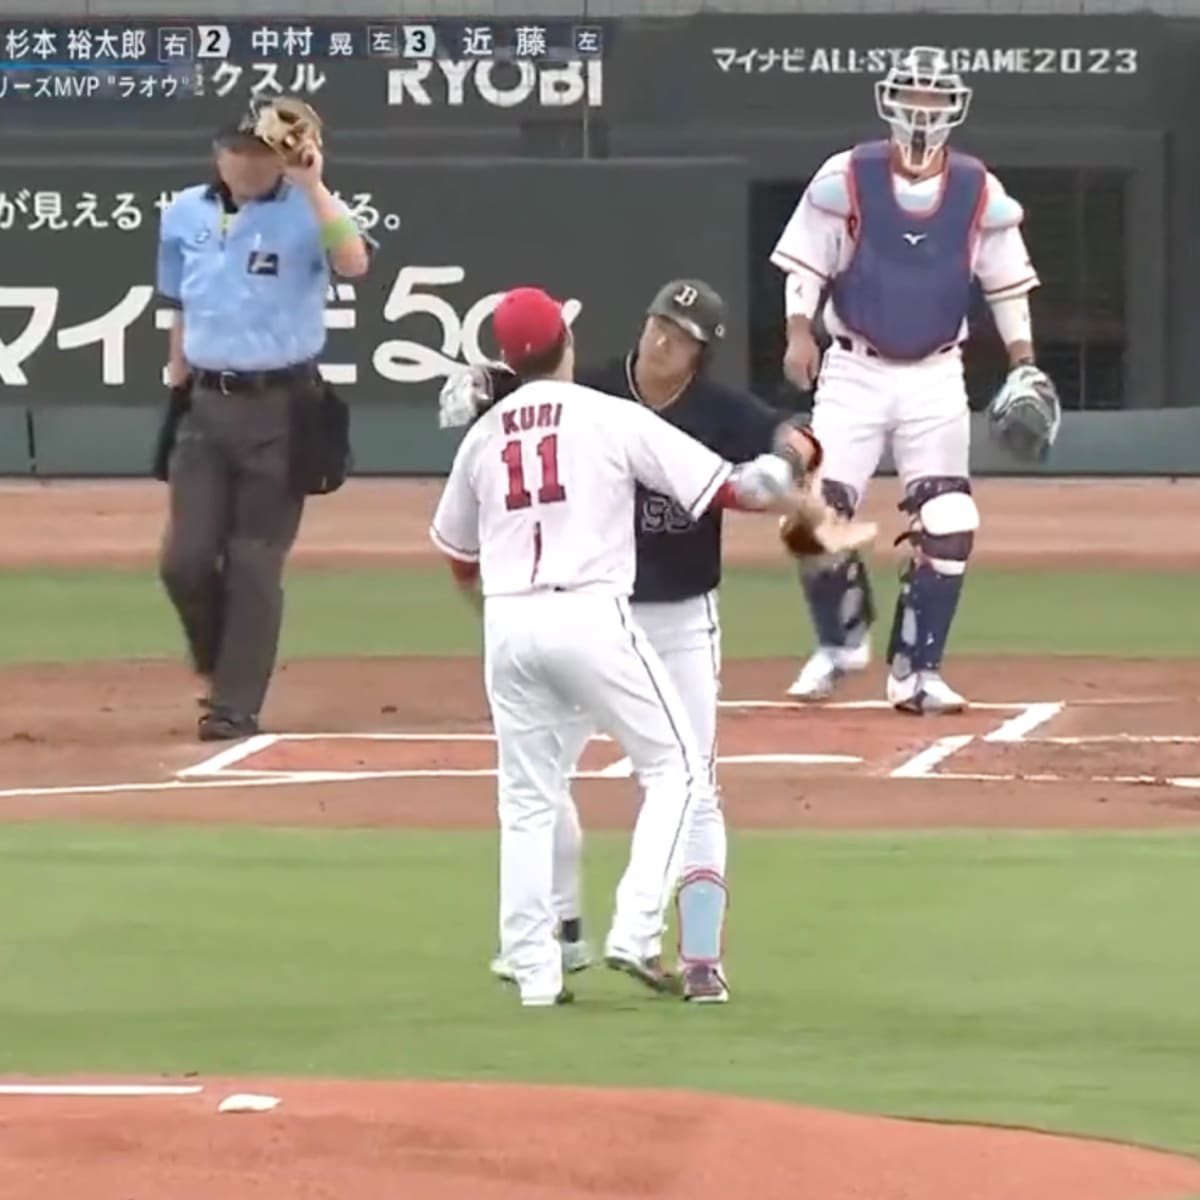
x=230, y=755
x=921, y=765
x=95, y=1089
x=1178, y=781
x=1017, y=728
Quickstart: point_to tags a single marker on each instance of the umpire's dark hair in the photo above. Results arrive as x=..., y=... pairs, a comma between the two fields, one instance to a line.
x=538, y=366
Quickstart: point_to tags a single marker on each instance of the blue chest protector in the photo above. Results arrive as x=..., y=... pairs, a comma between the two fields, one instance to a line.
x=907, y=288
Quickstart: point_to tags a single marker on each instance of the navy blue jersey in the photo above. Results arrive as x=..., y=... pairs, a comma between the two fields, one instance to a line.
x=678, y=558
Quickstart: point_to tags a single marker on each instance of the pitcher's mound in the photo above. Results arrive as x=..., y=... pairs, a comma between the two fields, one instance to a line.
x=350, y=1141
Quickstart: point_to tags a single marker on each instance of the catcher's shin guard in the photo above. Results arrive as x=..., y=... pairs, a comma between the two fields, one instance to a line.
x=942, y=535
x=839, y=595
x=700, y=905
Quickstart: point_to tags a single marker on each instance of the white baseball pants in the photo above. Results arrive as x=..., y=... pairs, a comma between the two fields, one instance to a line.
x=687, y=636
x=862, y=403
x=548, y=655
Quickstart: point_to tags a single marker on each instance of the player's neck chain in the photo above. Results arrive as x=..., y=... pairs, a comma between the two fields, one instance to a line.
x=631, y=377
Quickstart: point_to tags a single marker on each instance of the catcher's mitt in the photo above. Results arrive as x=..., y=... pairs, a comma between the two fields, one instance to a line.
x=813, y=530
x=472, y=392
x=289, y=126
x=1025, y=415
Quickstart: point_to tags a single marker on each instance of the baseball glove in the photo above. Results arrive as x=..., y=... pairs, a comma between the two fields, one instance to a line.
x=470, y=393
x=1025, y=415
x=813, y=530
x=289, y=126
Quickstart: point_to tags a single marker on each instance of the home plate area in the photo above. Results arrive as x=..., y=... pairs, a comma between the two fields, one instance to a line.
x=1046, y=741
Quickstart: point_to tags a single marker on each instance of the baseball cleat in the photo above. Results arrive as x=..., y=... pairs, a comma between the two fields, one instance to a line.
x=704, y=984
x=924, y=693
x=576, y=957
x=565, y=996
x=647, y=971
x=820, y=674
x=223, y=725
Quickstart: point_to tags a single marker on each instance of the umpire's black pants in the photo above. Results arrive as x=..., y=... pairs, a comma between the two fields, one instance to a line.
x=233, y=518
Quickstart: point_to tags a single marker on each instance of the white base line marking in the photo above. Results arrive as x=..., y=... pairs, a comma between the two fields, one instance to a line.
x=1179, y=781
x=976, y=705
x=230, y=755
x=1129, y=739
x=1018, y=728
x=95, y=1089
x=163, y=785
x=392, y=737
x=921, y=765
x=621, y=769
x=849, y=705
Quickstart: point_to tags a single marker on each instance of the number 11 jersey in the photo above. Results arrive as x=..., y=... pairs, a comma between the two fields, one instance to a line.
x=542, y=489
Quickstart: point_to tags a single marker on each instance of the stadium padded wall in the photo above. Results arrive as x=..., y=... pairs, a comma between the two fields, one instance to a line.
x=602, y=191
x=74, y=441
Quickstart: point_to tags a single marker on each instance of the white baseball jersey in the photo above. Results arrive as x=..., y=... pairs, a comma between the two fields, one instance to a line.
x=542, y=488
x=816, y=244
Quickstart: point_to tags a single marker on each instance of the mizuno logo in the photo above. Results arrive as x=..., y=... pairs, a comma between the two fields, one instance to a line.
x=914, y=239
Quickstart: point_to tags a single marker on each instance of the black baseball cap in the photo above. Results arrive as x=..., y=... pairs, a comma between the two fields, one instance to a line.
x=239, y=134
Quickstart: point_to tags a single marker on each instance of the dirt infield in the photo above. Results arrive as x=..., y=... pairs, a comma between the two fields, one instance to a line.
x=1074, y=522
x=1071, y=744
x=343, y=1141
x=71, y=737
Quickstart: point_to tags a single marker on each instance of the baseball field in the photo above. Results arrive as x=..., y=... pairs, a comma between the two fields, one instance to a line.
x=963, y=951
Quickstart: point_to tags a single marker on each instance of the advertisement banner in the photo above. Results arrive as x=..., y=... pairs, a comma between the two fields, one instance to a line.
x=80, y=322
x=819, y=71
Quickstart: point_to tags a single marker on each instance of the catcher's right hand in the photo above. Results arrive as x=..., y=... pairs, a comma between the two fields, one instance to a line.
x=814, y=530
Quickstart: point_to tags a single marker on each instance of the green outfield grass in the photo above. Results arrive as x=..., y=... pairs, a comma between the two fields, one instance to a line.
x=68, y=615
x=1045, y=980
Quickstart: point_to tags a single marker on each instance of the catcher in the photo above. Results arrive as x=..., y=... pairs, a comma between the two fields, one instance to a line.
x=251, y=429
x=674, y=598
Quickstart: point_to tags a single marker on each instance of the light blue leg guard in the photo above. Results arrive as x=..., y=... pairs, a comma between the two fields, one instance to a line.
x=700, y=905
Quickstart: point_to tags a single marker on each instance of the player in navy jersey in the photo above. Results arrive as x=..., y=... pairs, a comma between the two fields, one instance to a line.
x=675, y=602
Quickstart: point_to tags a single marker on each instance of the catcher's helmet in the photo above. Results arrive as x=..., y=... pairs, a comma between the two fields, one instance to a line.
x=922, y=99
x=692, y=305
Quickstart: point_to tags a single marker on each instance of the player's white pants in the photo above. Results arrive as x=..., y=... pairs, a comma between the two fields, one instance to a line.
x=862, y=403
x=547, y=655
x=687, y=636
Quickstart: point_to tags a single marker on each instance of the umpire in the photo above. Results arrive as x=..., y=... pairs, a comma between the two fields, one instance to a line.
x=251, y=428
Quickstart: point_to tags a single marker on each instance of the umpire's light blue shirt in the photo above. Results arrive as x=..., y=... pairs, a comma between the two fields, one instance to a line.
x=251, y=284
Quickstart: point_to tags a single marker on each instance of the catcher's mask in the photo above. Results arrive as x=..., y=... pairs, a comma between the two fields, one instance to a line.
x=922, y=99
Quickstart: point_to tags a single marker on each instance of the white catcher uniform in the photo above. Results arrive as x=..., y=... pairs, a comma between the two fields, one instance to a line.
x=892, y=242
x=541, y=493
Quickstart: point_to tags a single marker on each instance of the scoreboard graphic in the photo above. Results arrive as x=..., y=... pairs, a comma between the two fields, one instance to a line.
x=85, y=61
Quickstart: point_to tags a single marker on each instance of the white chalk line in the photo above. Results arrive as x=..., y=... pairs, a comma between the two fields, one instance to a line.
x=1018, y=728
x=1129, y=739
x=859, y=705
x=924, y=764
x=1178, y=781
x=105, y=1089
x=230, y=755
x=921, y=765
x=218, y=771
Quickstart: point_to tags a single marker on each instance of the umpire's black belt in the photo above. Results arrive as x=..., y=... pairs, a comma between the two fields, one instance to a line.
x=253, y=381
